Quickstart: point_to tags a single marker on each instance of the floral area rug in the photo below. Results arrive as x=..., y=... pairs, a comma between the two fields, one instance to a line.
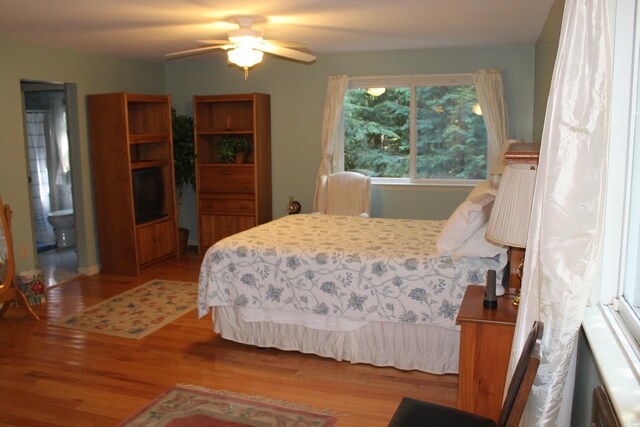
x=138, y=311
x=190, y=406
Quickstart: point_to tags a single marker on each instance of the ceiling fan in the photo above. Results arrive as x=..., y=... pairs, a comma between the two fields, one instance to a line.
x=245, y=46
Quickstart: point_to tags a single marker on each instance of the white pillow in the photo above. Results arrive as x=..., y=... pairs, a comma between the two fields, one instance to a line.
x=472, y=214
x=478, y=246
x=485, y=187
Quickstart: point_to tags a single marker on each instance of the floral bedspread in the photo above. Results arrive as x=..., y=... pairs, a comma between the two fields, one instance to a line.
x=359, y=268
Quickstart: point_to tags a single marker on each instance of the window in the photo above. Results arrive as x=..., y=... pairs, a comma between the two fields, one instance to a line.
x=611, y=323
x=629, y=294
x=620, y=288
x=423, y=129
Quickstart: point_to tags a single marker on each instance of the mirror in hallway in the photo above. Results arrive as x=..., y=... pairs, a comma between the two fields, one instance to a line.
x=9, y=293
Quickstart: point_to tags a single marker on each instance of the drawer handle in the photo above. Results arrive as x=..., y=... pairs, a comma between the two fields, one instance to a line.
x=225, y=172
x=244, y=207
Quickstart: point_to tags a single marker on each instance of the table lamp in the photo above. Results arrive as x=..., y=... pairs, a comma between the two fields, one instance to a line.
x=509, y=221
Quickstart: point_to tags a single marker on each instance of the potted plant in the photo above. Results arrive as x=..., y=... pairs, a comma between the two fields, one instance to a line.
x=232, y=149
x=184, y=160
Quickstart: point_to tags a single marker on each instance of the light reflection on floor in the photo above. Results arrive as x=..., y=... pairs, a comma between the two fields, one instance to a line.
x=58, y=265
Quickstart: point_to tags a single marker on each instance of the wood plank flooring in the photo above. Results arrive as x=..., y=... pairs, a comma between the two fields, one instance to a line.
x=52, y=376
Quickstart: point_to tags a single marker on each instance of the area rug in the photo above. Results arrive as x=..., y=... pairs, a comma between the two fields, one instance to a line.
x=138, y=311
x=190, y=406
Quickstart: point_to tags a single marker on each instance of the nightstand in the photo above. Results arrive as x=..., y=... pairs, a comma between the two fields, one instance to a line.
x=485, y=346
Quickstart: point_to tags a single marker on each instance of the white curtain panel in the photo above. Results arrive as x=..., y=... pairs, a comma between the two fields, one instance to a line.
x=333, y=105
x=564, y=236
x=490, y=92
x=60, y=129
x=39, y=174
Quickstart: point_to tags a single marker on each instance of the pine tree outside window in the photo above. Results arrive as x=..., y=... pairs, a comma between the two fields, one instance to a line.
x=419, y=130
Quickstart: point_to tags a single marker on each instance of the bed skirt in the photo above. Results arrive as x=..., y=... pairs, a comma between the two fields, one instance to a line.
x=425, y=348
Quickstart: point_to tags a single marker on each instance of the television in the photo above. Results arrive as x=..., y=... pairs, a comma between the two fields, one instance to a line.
x=148, y=194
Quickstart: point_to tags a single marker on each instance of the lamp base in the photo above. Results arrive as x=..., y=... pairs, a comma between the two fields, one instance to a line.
x=516, y=301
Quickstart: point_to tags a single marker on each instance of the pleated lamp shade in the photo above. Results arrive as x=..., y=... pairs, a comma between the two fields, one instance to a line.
x=509, y=221
x=498, y=168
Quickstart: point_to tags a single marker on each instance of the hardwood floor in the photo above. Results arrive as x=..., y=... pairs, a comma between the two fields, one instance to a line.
x=52, y=376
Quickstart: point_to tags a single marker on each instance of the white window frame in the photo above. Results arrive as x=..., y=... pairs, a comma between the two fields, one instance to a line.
x=609, y=322
x=620, y=248
x=411, y=82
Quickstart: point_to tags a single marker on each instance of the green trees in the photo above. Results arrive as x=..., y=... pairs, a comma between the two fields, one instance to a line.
x=451, y=137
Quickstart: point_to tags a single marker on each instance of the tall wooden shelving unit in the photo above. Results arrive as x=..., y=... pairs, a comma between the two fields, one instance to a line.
x=129, y=132
x=232, y=197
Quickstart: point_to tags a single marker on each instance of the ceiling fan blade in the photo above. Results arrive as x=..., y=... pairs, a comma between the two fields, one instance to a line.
x=285, y=52
x=213, y=41
x=195, y=51
x=288, y=43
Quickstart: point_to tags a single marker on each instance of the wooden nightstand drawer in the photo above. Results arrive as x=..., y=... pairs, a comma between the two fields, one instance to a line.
x=227, y=206
x=226, y=179
x=485, y=347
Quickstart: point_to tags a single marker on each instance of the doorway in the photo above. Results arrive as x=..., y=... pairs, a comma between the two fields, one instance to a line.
x=46, y=119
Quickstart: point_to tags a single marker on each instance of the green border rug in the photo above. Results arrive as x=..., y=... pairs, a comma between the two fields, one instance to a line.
x=189, y=406
x=138, y=311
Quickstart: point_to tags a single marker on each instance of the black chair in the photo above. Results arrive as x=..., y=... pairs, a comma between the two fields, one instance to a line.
x=412, y=412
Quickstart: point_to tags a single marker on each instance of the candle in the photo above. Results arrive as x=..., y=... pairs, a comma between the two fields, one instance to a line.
x=491, y=284
x=490, y=300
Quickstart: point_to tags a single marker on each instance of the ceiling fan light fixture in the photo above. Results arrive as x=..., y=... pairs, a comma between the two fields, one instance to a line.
x=245, y=39
x=244, y=56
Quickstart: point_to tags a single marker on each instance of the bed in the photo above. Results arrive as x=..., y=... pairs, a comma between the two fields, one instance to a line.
x=366, y=290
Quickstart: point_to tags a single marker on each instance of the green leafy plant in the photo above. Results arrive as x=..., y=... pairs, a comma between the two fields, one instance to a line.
x=231, y=145
x=184, y=156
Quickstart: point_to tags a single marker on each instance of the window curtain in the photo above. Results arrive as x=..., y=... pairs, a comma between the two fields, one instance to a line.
x=59, y=162
x=60, y=129
x=333, y=105
x=563, y=246
x=490, y=92
x=39, y=174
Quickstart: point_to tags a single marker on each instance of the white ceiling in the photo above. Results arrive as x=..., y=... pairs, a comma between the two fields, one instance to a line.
x=147, y=29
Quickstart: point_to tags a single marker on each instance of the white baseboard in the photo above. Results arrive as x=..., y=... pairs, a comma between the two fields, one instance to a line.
x=90, y=270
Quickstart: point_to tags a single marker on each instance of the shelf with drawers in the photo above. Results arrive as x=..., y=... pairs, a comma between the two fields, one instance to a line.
x=232, y=194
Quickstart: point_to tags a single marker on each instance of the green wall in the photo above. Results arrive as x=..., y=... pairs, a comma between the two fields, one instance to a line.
x=297, y=101
x=546, y=49
x=91, y=74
